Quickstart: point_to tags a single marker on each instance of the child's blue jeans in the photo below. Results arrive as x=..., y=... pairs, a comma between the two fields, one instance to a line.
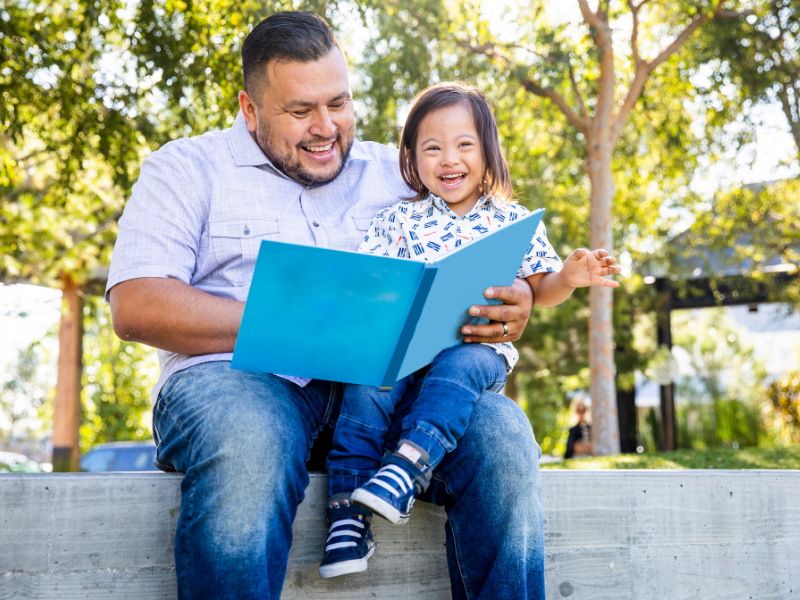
x=447, y=393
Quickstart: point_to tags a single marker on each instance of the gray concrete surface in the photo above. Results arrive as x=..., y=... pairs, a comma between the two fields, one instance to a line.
x=612, y=535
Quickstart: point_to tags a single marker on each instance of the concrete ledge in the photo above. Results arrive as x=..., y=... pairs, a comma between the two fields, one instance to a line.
x=608, y=535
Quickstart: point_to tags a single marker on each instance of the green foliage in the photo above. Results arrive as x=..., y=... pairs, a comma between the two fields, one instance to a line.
x=782, y=413
x=71, y=136
x=712, y=458
x=719, y=402
x=117, y=379
x=90, y=88
x=759, y=59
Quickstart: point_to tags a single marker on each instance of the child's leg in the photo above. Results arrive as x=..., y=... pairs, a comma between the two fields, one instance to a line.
x=441, y=412
x=438, y=419
x=358, y=437
x=357, y=447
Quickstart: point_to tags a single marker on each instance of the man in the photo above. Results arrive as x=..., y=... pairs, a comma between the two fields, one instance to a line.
x=290, y=169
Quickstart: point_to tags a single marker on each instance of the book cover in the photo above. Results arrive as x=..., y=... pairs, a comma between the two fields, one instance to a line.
x=359, y=318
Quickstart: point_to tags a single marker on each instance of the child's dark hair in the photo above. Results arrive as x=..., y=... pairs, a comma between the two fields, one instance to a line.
x=496, y=179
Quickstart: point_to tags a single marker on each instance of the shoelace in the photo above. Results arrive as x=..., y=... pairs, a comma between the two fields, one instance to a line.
x=390, y=472
x=342, y=532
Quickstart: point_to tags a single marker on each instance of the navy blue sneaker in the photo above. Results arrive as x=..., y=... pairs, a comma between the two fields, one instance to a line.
x=393, y=489
x=349, y=543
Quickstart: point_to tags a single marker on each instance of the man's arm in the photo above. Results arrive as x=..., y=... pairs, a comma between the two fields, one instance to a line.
x=174, y=316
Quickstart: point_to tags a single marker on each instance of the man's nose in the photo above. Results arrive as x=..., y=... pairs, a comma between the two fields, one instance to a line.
x=322, y=126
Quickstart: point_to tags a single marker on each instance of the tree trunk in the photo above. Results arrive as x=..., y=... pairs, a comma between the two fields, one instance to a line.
x=605, y=425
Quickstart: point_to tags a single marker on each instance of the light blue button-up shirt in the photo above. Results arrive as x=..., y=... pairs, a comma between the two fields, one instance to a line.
x=202, y=205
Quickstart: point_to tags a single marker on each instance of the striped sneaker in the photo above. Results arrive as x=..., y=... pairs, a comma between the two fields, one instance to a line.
x=393, y=489
x=349, y=544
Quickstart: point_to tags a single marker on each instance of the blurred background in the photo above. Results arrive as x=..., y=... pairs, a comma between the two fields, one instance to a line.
x=706, y=214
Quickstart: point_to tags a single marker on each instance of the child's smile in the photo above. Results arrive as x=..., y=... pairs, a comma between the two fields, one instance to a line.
x=450, y=157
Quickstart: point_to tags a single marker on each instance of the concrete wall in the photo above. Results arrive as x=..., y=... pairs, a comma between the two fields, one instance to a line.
x=609, y=535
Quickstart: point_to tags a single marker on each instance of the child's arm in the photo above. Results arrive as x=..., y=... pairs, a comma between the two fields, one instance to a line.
x=581, y=269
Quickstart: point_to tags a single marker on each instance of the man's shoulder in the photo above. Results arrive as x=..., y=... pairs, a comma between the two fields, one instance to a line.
x=199, y=150
x=380, y=152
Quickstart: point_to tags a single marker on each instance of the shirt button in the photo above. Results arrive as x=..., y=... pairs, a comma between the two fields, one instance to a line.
x=315, y=224
x=246, y=231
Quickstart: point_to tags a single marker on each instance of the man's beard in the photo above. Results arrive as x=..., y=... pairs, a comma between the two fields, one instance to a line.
x=293, y=167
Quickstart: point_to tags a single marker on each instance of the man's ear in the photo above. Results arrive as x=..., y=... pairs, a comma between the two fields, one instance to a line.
x=248, y=110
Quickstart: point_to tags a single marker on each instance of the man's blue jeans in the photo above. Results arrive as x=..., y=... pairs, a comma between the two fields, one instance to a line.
x=243, y=440
x=438, y=418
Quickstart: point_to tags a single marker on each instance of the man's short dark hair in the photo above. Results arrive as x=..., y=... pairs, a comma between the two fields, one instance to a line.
x=300, y=36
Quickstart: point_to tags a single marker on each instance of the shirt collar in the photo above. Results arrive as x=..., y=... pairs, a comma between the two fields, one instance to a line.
x=246, y=152
x=442, y=205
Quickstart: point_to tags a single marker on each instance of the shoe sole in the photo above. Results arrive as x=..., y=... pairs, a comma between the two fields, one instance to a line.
x=345, y=568
x=379, y=506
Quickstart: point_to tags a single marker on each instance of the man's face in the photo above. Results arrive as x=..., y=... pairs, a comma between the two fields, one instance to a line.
x=303, y=120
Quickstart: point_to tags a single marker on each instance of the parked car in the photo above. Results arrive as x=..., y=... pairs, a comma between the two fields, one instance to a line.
x=11, y=462
x=120, y=456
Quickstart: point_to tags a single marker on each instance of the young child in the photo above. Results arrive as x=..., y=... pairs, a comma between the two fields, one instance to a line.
x=450, y=156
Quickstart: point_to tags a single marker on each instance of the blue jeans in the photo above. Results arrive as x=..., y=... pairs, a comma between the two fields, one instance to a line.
x=243, y=440
x=438, y=418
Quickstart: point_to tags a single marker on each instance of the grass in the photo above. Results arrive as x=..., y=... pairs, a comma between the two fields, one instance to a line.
x=716, y=458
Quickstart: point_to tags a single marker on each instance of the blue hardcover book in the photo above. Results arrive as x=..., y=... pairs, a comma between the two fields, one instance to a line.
x=359, y=318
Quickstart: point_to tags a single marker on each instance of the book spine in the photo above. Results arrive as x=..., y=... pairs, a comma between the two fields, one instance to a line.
x=424, y=288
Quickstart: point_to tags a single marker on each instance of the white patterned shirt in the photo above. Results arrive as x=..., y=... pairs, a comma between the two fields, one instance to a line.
x=428, y=229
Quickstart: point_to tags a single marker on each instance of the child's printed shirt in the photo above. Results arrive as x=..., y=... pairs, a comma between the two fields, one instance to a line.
x=427, y=229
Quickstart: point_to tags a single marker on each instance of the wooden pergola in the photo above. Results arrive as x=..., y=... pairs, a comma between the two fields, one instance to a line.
x=734, y=289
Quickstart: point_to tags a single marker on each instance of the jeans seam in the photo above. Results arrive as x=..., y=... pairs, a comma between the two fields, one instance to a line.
x=329, y=407
x=435, y=435
x=349, y=418
x=457, y=550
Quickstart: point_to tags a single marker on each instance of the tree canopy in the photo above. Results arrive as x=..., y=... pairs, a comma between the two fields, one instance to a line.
x=89, y=88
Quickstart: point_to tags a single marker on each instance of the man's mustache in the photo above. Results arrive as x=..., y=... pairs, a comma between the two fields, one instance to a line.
x=319, y=141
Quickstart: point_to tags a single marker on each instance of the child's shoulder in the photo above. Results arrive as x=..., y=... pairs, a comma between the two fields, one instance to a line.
x=404, y=207
x=508, y=208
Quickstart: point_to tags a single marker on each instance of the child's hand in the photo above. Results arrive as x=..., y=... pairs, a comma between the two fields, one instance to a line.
x=584, y=268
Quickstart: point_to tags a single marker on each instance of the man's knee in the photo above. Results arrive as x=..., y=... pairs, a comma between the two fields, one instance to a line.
x=501, y=428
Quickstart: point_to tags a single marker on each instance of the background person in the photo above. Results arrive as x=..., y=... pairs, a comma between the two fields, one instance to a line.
x=579, y=442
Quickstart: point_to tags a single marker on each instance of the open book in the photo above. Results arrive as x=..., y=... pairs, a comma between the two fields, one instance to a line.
x=359, y=318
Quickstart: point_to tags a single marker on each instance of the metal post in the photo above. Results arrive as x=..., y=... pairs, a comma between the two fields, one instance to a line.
x=669, y=436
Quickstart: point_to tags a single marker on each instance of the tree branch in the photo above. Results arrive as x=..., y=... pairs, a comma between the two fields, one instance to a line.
x=488, y=49
x=635, y=31
x=557, y=99
x=577, y=92
x=645, y=68
x=598, y=28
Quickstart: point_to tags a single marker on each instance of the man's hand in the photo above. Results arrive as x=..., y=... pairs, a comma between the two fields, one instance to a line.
x=514, y=312
x=584, y=268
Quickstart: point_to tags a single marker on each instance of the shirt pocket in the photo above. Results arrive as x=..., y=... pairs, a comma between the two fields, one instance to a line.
x=362, y=226
x=363, y=223
x=235, y=245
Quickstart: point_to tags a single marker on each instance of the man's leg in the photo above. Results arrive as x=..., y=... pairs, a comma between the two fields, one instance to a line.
x=489, y=485
x=243, y=440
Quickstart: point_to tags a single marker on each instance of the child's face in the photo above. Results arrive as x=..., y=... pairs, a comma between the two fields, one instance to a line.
x=450, y=158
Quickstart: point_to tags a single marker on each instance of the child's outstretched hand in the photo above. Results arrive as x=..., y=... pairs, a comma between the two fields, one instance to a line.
x=584, y=268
